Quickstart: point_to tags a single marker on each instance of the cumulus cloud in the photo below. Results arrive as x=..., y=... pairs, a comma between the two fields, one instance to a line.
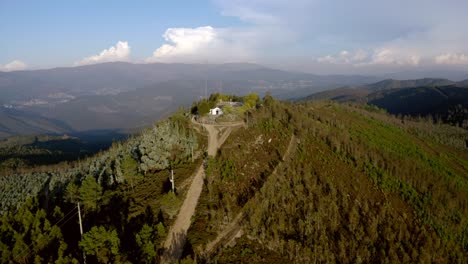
x=186, y=41
x=451, y=58
x=201, y=44
x=15, y=65
x=119, y=52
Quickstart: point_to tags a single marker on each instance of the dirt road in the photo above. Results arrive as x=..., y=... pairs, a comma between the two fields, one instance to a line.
x=176, y=237
x=234, y=229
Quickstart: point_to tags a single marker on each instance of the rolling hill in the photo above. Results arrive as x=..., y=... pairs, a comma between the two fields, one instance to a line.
x=395, y=84
x=298, y=182
x=450, y=103
x=328, y=182
x=439, y=98
x=17, y=122
x=124, y=95
x=116, y=77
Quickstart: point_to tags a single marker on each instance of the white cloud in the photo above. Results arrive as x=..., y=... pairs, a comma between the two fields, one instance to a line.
x=345, y=57
x=381, y=56
x=185, y=41
x=15, y=65
x=451, y=58
x=201, y=44
x=391, y=56
x=119, y=52
x=387, y=35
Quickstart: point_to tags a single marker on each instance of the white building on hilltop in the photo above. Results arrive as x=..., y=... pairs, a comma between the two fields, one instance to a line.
x=216, y=111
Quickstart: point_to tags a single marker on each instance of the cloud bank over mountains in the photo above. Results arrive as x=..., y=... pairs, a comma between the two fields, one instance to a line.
x=15, y=65
x=452, y=58
x=119, y=52
x=200, y=44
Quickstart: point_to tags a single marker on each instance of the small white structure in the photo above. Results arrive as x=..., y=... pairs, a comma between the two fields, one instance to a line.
x=216, y=111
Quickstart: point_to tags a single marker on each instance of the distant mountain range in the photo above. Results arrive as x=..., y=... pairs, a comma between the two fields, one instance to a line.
x=358, y=93
x=123, y=95
x=117, y=77
x=440, y=98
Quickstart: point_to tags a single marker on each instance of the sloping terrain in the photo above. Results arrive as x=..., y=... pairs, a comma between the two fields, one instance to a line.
x=116, y=77
x=359, y=93
x=17, y=122
x=21, y=152
x=124, y=95
x=450, y=103
x=300, y=182
x=124, y=193
x=396, y=84
x=340, y=95
x=175, y=241
x=359, y=186
x=438, y=98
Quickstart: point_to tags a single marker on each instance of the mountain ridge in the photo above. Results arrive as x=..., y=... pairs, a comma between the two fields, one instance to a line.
x=282, y=173
x=439, y=98
x=120, y=95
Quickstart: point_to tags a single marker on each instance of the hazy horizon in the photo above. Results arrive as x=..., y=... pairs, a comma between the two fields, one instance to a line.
x=323, y=37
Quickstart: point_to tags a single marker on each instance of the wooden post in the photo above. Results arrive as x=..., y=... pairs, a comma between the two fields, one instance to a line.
x=81, y=230
x=172, y=179
x=79, y=218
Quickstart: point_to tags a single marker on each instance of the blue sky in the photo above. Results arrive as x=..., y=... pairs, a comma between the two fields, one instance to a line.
x=49, y=33
x=324, y=36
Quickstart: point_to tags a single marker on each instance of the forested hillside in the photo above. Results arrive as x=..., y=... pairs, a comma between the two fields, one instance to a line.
x=300, y=182
x=439, y=99
x=124, y=193
x=328, y=182
x=448, y=103
x=22, y=152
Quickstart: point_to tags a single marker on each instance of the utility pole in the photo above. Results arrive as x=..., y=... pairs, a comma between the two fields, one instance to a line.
x=81, y=230
x=172, y=179
x=79, y=218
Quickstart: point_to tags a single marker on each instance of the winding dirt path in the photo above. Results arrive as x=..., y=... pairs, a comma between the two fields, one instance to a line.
x=175, y=241
x=234, y=229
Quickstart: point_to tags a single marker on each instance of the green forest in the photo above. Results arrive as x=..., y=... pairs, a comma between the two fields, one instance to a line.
x=321, y=182
x=124, y=195
x=308, y=182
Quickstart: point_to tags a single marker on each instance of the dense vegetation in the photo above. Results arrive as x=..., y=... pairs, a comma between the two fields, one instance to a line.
x=20, y=152
x=327, y=182
x=247, y=102
x=440, y=99
x=447, y=103
x=124, y=194
x=301, y=182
